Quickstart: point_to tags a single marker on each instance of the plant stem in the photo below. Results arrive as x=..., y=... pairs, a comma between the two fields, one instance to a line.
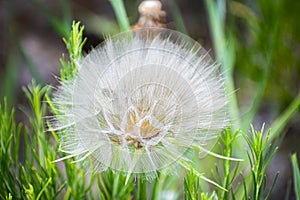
x=121, y=15
x=296, y=175
x=225, y=55
x=190, y=168
x=278, y=125
x=176, y=14
x=142, y=189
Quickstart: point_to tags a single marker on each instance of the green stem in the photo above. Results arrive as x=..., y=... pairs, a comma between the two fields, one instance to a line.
x=44, y=188
x=296, y=175
x=278, y=125
x=157, y=186
x=121, y=15
x=225, y=55
x=176, y=14
x=142, y=189
x=9, y=84
x=116, y=179
x=190, y=168
x=226, y=169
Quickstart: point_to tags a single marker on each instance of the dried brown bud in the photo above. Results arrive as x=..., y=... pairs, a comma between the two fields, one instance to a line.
x=151, y=15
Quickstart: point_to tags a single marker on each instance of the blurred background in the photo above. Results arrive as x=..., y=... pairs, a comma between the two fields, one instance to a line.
x=265, y=34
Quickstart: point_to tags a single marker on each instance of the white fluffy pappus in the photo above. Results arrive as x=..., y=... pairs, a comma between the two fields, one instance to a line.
x=140, y=101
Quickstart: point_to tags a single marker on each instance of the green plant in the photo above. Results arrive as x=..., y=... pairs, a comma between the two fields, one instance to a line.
x=296, y=173
x=30, y=162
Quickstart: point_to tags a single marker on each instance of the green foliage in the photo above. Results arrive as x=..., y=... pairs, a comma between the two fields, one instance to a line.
x=10, y=134
x=260, y=155
x=114, y=186
x=249, y=184
x=205, y=196
x=38, y=177
x=191, y=186
x=9, y=85
x=27, y=153
x=229, y=169
x=296, y=172
x=31, y=174
x=280, y=122
x=74, y=45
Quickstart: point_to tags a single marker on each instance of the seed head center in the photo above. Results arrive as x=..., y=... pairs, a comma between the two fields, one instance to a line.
x=141, y=126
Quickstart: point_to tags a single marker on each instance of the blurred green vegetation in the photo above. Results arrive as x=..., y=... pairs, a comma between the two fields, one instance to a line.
x=256, y=42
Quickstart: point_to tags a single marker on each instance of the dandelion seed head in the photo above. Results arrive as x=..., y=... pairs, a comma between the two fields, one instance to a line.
x=140, y=101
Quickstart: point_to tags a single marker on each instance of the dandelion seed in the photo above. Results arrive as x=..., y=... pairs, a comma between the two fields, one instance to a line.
x=140, y=101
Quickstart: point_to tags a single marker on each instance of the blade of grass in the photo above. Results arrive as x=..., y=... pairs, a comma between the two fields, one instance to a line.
x=279, y=123
x=67, y=15
x=178, y=19
x=43, y=189
x=157, y=186
x=121, y=15
x=296, y=173
x=272, y=186
x=10, y=79
x=190, y=168
x=225, y=54
x=142, y=189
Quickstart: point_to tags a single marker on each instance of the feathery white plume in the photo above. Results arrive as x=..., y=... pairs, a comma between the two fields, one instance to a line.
x=140, y=101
